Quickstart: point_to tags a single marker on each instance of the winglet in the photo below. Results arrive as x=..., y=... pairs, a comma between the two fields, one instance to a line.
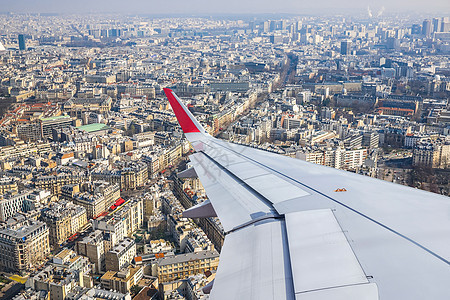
x=187, y=121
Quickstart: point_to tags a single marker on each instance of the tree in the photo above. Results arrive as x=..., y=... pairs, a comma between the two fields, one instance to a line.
x=131, y=130
x=135, y=289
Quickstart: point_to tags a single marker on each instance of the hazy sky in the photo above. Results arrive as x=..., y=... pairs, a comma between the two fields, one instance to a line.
x=223, y=6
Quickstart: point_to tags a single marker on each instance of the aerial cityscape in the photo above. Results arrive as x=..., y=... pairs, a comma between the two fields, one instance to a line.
x=93, y=160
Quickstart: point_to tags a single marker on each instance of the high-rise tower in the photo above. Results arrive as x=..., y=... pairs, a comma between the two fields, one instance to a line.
x=22, y=42
x=345, y=47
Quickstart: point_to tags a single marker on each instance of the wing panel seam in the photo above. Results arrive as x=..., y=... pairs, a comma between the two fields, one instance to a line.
x=331, y=288
x=243, y=183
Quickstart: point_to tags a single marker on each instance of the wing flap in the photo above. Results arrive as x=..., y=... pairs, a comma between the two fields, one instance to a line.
x=317, y=244
x=254, y=264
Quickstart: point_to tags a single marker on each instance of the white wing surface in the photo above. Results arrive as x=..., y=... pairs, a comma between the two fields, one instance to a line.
x=296, y=230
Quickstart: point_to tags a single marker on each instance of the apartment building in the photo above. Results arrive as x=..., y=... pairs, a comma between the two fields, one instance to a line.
x=133, y=215
x=336, y=158
x=92, y=247
x=114, y=230
x=57, y=281
x=8, y=185
x=100, y=104
x=121, y=224
x=63, y=219
x=123, y=280
x=96, y=293
x=53, y=123
x=23, y=150
x=121, y=255
x=131, y=175
x=54, y=183
x=432, y=154
x=183, y=265
x=96, y=196
x=69, y=259
x=23, y=244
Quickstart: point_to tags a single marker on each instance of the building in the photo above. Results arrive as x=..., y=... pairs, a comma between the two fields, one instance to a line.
x=210, y=226
x=427, y=28
x=183, y=265
x=29, y=131
x=77, y=106
x=8, y=185
x=92, y=247
x=10, y=204
x=132, y=213
x=69, y=259
x=353, y=141
x=57, y=281
x=96, y=293
x=64, y=158
x=131, y=175
x=436, y=25
x=232, y=86
x=23, y=150
x=21, y=39
x=55, y=183
x=108, y=79
x=394, y=111
x=122, y=223
x=24, y=244
x=347, y=159
x=351, y=159
x=432, y=154
x=41, y=129
x=114, y=230
x=96, y=196
x=48, y=124
x=123, y=280
x=370, y=140
x=158, y=246
x=152, y=165
x=121, y=255
x=95, y=129
x=345, y=47
x=63, y=219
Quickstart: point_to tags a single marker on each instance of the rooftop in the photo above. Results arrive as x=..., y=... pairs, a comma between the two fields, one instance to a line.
x=169, y=260
x=93, y=127
x=56, y=118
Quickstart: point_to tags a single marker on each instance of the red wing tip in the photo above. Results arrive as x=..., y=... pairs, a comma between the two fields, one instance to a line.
x=183, y=118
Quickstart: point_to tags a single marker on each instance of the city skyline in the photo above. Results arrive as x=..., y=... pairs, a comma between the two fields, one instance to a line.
x=196, y=7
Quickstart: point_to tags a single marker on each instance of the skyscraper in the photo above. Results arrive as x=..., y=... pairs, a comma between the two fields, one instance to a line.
x=345, y=47
x=272, y=25
x=445, y=25
x=436, y=25
x=22, y=42
x=266, y=26
x=426, y=28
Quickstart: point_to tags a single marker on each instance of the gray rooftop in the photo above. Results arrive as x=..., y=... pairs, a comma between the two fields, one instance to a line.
x=187, y=257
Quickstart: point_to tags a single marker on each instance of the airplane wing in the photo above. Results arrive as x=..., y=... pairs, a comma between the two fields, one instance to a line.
x=297, y=230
